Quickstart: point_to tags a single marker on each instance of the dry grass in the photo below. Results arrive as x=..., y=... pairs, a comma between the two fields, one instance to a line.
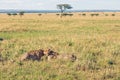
x=94, y=40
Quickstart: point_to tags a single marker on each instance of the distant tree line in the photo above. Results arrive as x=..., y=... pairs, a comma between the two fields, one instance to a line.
x=14, y=14
x=95, y=14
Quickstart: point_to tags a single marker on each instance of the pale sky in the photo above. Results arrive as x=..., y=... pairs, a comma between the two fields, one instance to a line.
x=51, y=4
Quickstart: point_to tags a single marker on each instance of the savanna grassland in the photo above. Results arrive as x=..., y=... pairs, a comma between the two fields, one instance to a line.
x=94, y=40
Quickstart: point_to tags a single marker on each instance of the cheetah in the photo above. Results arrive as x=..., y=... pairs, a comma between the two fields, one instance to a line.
x=70, y=57
x=33, y=55
x=50, y=54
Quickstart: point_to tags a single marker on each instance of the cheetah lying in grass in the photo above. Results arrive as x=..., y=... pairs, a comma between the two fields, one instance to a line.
x=70, y=57
x=54, y=55
x=33, y=55
x=48, y=53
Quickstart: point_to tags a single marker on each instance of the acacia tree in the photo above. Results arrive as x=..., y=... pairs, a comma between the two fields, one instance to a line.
x=63, y=7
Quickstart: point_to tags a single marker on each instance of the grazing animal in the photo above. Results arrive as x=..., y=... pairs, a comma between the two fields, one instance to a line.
x=33, y=55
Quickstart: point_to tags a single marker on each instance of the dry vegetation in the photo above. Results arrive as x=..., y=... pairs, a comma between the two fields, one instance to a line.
x=94, y=40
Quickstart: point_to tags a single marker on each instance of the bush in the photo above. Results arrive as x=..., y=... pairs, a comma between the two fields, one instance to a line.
x=21, y=13
x=39, y=14
x=14, y=14
x=9, y=14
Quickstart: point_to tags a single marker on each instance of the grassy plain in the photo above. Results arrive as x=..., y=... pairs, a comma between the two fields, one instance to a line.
x=94, y=40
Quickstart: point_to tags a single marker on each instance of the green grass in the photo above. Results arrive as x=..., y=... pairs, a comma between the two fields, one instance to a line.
x=95, y=42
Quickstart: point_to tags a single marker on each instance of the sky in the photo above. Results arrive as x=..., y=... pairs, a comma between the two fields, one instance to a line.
x=51, y=4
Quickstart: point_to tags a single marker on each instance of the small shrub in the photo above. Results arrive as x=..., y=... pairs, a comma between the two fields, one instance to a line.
x=21, y=13
x=14, y=14
x=113, y=14
x=39, y=14
x=9, y=14
x=1, y=39
x=57, y=14
x=20, y=63
x=70, y=43
x=84, y=14
x=111, y=62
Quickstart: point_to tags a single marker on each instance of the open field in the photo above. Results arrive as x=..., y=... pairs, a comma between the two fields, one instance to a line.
x=94, y=40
